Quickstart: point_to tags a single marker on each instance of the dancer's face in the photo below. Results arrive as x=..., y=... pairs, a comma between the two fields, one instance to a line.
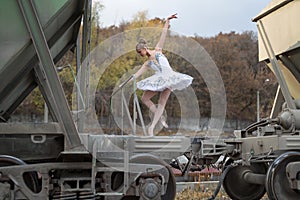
x=142, y=52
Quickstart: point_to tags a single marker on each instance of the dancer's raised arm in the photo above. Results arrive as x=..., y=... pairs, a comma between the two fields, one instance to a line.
x=162, y=39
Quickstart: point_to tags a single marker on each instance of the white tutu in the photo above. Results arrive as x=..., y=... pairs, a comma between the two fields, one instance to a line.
x=164, y=77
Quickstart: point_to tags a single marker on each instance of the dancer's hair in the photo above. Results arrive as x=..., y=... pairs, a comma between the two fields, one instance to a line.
x=142, y=44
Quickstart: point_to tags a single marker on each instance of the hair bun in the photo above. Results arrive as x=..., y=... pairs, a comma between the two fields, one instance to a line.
x=142, y=41
x=141, y=45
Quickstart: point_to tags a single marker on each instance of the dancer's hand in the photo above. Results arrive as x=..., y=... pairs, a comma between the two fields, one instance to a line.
x=172, y=16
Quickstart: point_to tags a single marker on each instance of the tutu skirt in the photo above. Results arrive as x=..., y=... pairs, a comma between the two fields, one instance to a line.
x=161, y=81
x=164, y=77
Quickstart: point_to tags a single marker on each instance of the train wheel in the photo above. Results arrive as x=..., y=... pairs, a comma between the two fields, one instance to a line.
x=171, y=190
x=171, y=186
x=277, y=184
x=30, y=178
x=237, y=188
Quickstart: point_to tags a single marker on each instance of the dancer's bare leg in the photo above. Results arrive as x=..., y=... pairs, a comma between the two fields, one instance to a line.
x=164, y=95
x=146, y=99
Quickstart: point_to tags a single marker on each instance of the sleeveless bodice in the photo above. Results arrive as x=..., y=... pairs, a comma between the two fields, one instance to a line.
x=160, y=64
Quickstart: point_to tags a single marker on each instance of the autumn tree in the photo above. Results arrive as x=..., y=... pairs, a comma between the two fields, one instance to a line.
x=236, y=56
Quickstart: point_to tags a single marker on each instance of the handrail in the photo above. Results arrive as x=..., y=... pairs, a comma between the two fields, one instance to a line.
x=136, y=106
x=122, y=85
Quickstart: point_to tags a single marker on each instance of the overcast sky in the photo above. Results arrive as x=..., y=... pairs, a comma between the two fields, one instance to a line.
x=202, y=17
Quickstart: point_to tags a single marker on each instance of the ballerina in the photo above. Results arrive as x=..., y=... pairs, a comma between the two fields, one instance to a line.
x=163, y=81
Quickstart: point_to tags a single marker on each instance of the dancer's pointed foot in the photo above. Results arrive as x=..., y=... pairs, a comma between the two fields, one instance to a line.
x=163, y=122
x=150, y=131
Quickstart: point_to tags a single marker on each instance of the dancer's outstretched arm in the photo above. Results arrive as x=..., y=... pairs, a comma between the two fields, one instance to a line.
x=136, y=75
x=141, y=70
x=162, y=39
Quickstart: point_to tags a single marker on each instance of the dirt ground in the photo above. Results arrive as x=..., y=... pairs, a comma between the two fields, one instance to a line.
x=202, y=192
